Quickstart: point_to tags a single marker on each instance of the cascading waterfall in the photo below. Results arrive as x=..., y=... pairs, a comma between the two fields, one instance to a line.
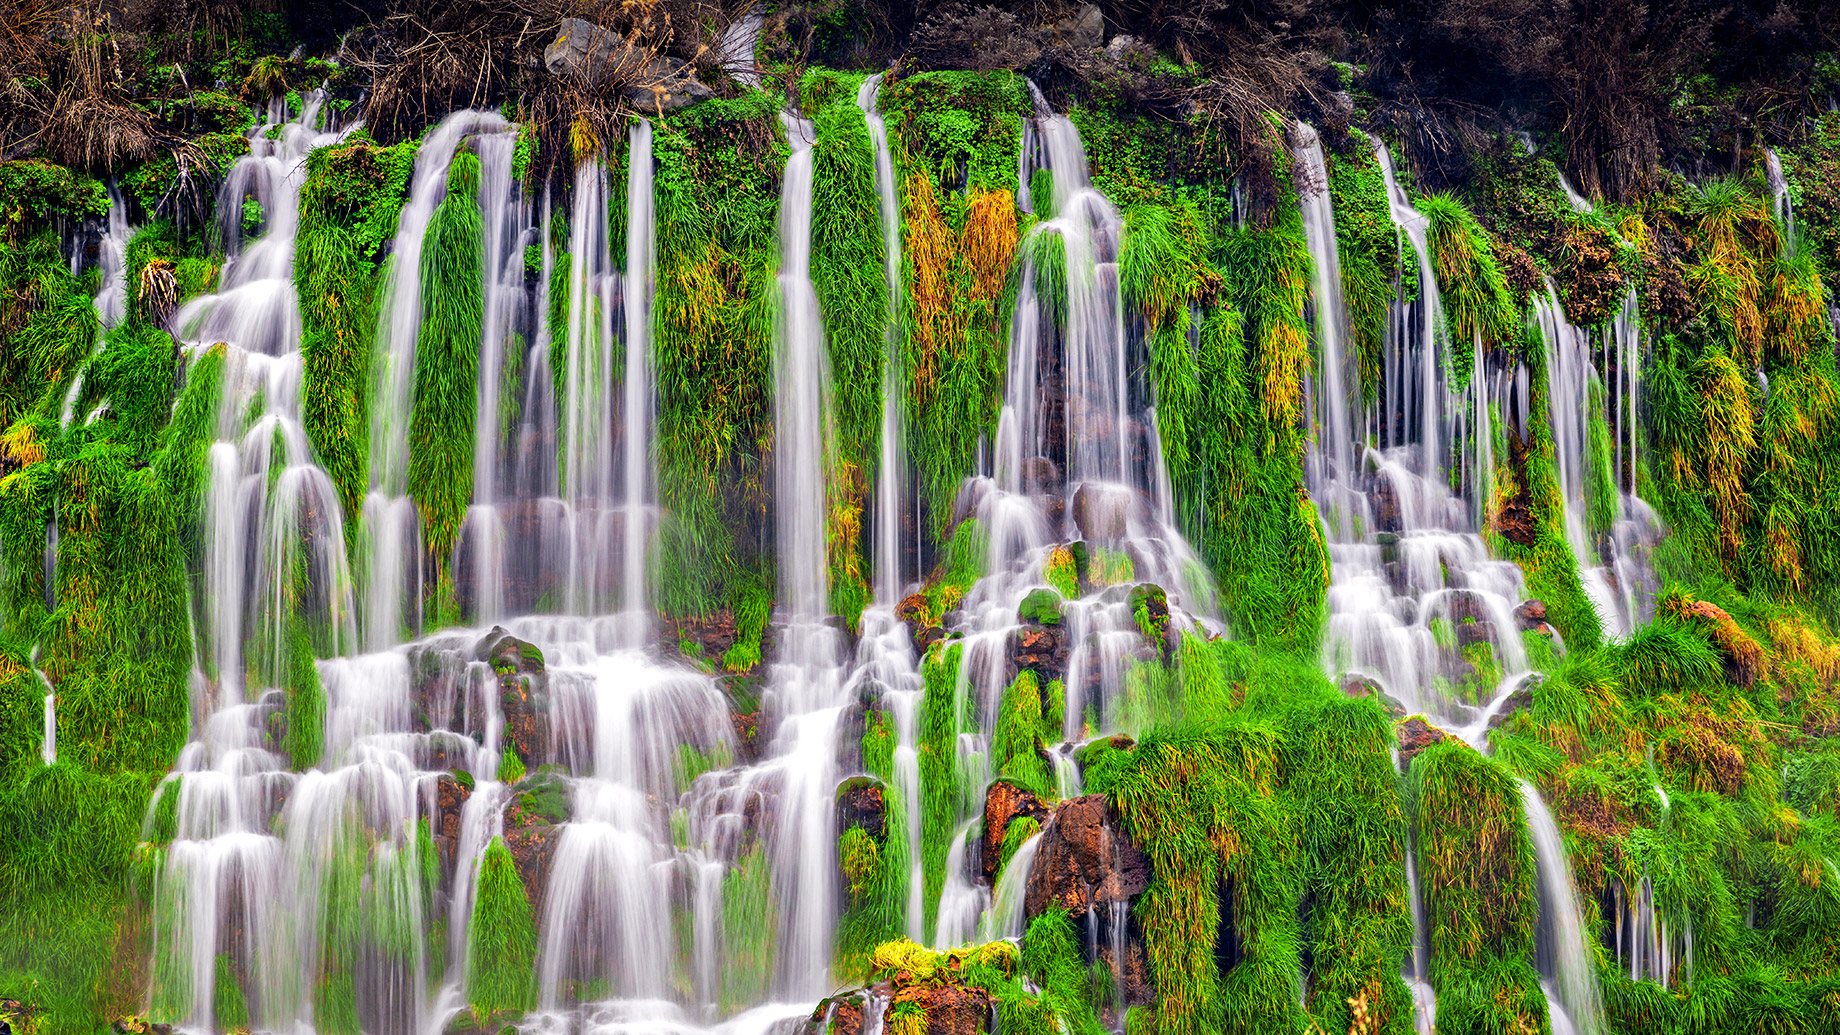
x=1073, y=427
x=805, y=694
x=506, y=225
x=1782, y=206
x=268, y=506
x=1609, y=530
x=885, y=652
x=1565, y=957
x=112, y=298
x=1410, y=558
x=391, y=526
x=1404, y=554
x=637, y=389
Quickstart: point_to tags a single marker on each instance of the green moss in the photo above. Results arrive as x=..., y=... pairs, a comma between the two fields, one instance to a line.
x=447, y=362
x=750, y=923
x=1476, y=869
x=501, y=941
x=348, y=208
x=941, y=782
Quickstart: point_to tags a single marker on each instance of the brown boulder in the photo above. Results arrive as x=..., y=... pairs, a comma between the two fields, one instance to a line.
x=1003, y=803
x=1040, y=649
x=1101, y=511
x=1085, y=860
x=532, y=849
x=1415, y=735
x=1384, y=498
x=951, y=1009
x=1362, y=686
x=450, y=797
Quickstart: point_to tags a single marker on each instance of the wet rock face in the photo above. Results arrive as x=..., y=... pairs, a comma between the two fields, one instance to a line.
x=1101, y=511
x=1004, y=803
x=1521, y=700
x=532, y=849
x=1530, y=616
x=860, y=804
x=523, y=693
x=950, y=1009
x=1415, y=735
x=450, y=797
x=1085, y=860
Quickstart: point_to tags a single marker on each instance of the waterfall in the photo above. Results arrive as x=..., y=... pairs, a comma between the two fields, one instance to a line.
x=1418, y=978
x=1782, y=206
x=885, y=653
x=891, y=471
x=806, y=685
x=505, y=222
x=1610, y=549
x=595, y=294
x=112, y=298
x=262, y=509
x=1405, y=558
x=47, y=748
x=637, y=402
x=1330, y=466
x=1004, y=918
x=1565, y=956
x=392, y=528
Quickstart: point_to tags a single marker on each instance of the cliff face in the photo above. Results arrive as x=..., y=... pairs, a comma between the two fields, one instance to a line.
x=1296, y=515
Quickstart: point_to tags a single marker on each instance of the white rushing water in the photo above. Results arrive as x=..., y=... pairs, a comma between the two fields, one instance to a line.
x=391, y=524
x=1565, y=957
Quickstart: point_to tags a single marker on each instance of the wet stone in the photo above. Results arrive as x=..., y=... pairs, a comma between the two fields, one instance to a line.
x=1005, y=802
x=1085, y=860
x=1415, y=735
x=860, y=804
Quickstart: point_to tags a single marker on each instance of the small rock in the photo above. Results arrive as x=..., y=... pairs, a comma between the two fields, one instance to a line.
x=1101, y=511
x=1520, y=700
x=1530, y=615
x=532, y=849
x=860, y=804
x=1385, y=500
x=1362, y=686
x=1120, y=46
x=1415, y=735
x=585, y=50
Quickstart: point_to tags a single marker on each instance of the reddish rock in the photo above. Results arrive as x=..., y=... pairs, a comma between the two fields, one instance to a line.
x=1040, y=649
x=1415, y=735
x=1085, y=860
x=1741, y=656
x=532, y=848
x=950, y=1009
x=1003, y=803
x=450, y=797
x=1516, y=522
x=1362, y=686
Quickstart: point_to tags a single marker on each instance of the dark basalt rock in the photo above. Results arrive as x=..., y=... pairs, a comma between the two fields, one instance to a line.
x=523, y=693
x=860, y=803
x=1004, y=802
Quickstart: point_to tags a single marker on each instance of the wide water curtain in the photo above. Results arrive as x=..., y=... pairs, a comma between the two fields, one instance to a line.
x=786, y=525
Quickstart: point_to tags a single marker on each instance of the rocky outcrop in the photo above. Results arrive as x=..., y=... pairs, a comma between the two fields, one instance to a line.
x=523, y=693
x=451, y=792
x=1530, y=616
x=1102, y=511
x=603, y=59
x=860, y=803
x=1004, y=803
x=1415, y=735
x=1085, y=860
x=1041, y=649
x=1362, y=686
